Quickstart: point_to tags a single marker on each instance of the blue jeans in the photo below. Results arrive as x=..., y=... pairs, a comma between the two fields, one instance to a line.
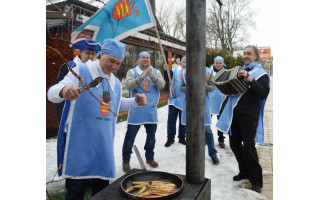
x=130, y=137
x=210, y=142
x=76, y=188
x=172, y=121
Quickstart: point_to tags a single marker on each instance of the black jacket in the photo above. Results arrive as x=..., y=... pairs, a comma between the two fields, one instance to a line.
x=249, y=103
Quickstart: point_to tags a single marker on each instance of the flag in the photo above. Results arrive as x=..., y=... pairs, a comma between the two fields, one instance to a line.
x=118, y=19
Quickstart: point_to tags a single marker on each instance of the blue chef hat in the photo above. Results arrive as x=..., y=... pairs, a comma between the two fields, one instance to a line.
x=86, y=44
x=113, y=48
x=144, y=53
x=219, y=58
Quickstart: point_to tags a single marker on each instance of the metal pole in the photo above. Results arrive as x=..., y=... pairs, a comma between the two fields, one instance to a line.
x=153, y=6
x=195, y=89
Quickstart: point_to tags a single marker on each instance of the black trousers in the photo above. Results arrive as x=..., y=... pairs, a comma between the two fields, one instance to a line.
x=243, y=132
x=220, y=134
x=76, y=188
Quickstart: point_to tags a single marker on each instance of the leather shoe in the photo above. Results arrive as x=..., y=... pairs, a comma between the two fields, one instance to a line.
x=239, y=177
x=256, y=188
x=126, y=166
x=152, y=163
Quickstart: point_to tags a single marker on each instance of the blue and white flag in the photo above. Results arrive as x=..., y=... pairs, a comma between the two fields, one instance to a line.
x=118, y=19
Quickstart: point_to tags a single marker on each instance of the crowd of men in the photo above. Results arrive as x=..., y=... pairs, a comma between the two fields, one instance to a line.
x=87, y=125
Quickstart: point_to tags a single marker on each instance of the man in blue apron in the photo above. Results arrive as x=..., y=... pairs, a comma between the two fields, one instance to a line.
x=87, y=129
x=175, y=105
x=242, y=117
x=143, y=79
x=88, y=49
x=217, y=97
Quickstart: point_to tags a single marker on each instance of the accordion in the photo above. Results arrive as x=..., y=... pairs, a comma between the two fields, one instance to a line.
x=229, y=83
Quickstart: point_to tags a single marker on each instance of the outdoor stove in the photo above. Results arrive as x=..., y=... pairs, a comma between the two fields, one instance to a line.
x=190, y=191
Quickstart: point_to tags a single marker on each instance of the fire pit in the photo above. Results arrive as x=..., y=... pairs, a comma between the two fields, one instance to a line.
x=190, y=191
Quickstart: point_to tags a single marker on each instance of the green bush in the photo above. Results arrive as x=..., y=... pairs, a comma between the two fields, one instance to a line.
x=229, y=60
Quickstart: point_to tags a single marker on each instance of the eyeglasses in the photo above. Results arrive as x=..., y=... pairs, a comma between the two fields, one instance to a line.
x=90, y=52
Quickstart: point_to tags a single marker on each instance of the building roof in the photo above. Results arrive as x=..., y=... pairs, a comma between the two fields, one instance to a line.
x=55, y=18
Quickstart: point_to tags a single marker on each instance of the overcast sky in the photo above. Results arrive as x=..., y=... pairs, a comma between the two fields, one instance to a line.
x=261, y=35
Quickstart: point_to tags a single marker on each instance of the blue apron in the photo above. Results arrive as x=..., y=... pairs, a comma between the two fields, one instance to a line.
x=216, y=98
x=176, y=82
x=88, y=149
x=146, y=114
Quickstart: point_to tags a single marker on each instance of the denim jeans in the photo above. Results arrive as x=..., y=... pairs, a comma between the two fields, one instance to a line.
x=76, y=188
x=172, y=121
x=130, y=137
x=210, y=142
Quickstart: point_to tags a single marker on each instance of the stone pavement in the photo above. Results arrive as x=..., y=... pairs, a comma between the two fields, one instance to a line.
x=265, y=152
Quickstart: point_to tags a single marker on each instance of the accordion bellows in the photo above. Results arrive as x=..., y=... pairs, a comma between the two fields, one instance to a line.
x=229, y=83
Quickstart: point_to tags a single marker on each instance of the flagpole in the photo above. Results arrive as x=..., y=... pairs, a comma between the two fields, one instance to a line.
x=165, y=61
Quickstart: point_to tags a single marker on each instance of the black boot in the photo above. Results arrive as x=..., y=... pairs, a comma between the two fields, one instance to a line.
x=221, y=144
x=182, y=140
x=169, y=142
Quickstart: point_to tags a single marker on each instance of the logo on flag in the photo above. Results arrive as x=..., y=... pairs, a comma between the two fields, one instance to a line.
x=146, y=85
x=121, y=10
x=104, y=108
x=118, y=20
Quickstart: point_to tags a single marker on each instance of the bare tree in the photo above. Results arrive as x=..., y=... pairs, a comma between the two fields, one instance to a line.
x=165, y=16
x=172, y=18
x=229, y=23
x=179, y=24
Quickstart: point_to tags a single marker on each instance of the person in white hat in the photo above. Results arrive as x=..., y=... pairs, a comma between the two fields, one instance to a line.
x=87, y=130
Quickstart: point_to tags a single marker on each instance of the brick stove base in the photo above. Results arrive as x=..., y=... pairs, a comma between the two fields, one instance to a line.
x=189, y=191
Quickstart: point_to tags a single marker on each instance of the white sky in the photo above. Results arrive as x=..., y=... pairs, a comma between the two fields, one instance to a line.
x=261, y=35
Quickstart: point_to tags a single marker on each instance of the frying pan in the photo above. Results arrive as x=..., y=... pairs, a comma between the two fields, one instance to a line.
x=150, y=176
